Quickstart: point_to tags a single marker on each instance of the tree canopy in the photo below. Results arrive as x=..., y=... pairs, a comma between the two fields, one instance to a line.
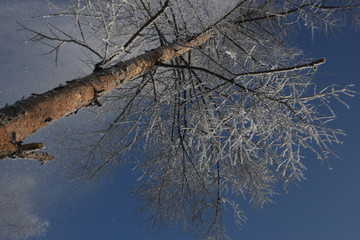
x=211, y=91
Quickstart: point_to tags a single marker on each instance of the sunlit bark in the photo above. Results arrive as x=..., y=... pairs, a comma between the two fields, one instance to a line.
x=25, y=117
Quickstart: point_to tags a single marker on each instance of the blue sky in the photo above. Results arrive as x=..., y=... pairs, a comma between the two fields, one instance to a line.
x=326, y=206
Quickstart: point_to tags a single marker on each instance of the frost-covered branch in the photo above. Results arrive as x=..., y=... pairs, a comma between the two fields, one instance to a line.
x=211, y=94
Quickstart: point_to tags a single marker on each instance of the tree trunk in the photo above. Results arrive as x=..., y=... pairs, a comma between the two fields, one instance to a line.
x=25, y=117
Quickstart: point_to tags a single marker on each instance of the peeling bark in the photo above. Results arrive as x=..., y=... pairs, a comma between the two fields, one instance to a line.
x=25, y=117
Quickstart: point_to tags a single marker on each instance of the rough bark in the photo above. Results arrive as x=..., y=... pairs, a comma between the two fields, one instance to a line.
x=25, y=117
